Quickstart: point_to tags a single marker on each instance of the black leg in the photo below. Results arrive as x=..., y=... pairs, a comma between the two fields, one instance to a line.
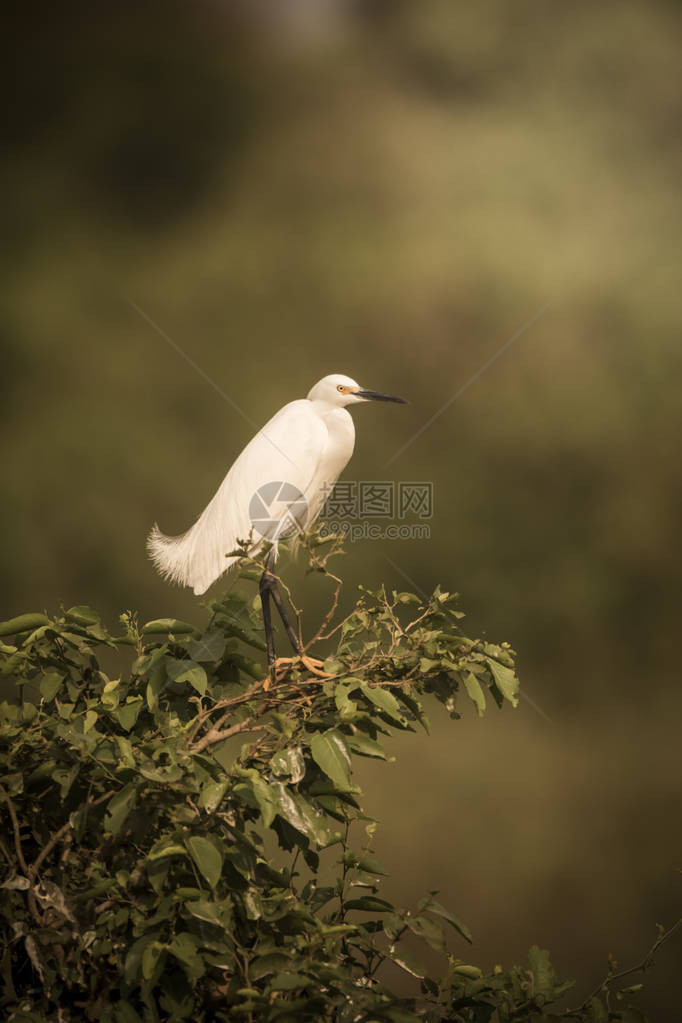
x=269, y=588
x=284, y=615
x=264, y=590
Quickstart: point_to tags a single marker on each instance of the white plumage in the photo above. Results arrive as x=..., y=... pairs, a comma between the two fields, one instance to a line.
x=307, y=444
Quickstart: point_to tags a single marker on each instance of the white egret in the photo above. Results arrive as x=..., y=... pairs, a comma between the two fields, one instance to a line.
x=277, y=486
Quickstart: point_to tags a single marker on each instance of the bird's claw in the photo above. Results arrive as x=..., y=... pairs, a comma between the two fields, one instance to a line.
x=311, y=664
x=314, y=666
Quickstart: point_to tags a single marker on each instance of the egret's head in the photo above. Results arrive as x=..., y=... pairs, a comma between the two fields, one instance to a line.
x=340, y=390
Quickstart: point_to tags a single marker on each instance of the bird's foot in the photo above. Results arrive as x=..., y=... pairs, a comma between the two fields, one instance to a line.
x=312, y=664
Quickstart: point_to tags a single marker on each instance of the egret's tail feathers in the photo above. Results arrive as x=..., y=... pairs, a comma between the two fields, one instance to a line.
x=169, y=554
x=187, y=559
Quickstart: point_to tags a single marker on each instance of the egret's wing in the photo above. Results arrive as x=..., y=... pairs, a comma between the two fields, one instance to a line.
x=279, y=462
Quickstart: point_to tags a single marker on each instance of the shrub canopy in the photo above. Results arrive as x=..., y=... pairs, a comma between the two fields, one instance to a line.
x=148, y=778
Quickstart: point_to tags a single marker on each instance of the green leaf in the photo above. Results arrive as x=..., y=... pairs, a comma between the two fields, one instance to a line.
x=166, y=846
x=133, y=961
x=204, y=910
x=465, y=970
x=368, y=864
x=505, y=680
x=118, y=808
x=212, y=794
x=242, y=630
x=301, y=815
x=125, y=1013
x=399, y=1015
x=151, y=958
x=474, y=691
x=427, y=929
x=370, y=904
x=83, y=615
x=385, y=701
x=207, y=648
x=429, y=905
x=289, y=982
x=89, y=720
x=598, y=1013
x=161, y=626
x=207, y=858
x=267, y=964
x=265, y=799
x=157, y=681
x=283, y=723
x=631, y=1015
x=330, y=753
x=415, y=707
x=128, y=714
x=157, y=873
x=187, y=671
x=407, y=964
x=50, y=685
x=185, y=948
x=347, y=708
x=366, y=747
x=252, y=904
x=125, y=750
x=65, y=778
x=23, y=623
x=544, y=977
x=289, y=762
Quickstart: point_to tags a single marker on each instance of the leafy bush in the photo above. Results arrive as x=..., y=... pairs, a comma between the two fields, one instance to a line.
x=141, y=812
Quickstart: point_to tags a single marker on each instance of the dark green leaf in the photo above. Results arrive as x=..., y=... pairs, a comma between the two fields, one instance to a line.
x=118, y=808
x=505, y=680
x=161, y=626
x=207, y=858
x=474, y=691
x=366, y=747
x=50, y=685
x=289, y=762
x=385, y=701
x=427, y=929
x=187, y=671
x=330, y=752
x=430, y=905
x=23, y=623
x=288, y=982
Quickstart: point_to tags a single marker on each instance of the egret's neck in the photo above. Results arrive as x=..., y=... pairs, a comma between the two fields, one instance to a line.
x=324, y=408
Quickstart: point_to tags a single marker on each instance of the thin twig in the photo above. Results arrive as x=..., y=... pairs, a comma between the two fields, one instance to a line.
x=328, y=618
x=233, y=701
x=15, y=829
x=644, y=964
x=47, y=849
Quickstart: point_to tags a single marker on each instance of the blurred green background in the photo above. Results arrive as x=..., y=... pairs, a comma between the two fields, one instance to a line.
x=389, y=190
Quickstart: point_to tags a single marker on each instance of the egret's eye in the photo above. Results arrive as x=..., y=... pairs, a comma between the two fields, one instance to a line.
x=340, y=387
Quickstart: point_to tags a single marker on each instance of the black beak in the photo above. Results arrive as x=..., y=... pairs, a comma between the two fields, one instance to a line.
x=378, y=396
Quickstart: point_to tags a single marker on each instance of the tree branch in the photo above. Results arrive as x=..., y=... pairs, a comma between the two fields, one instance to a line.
x=216, y=735
x=644, y=964
x=233, y=701
x=15, y=829
x=58, y=835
